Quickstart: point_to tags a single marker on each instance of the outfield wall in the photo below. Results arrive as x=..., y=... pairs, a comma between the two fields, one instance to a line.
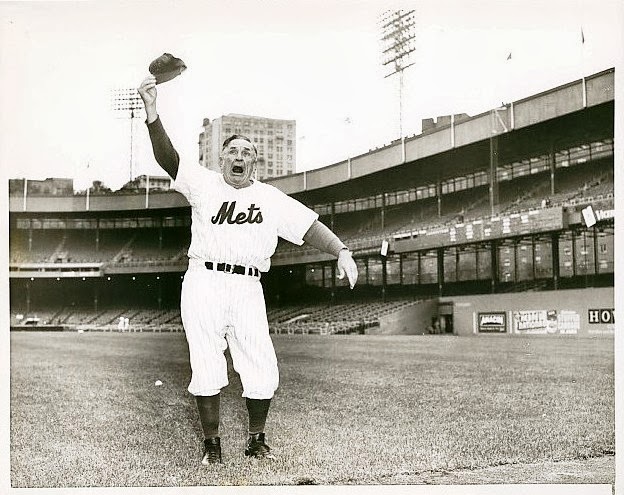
x=575, y=313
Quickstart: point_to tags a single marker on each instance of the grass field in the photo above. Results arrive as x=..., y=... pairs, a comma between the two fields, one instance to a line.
x=350, y=410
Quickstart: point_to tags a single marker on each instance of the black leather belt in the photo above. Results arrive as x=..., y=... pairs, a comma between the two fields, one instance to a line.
x=252, y=271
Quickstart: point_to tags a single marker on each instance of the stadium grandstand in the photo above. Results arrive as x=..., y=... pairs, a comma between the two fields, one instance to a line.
x=491, y=205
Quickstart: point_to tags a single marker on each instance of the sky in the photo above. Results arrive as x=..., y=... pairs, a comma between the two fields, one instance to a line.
x=318, y=62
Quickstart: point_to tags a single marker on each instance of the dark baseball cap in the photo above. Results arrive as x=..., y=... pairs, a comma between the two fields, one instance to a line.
x=166, y=67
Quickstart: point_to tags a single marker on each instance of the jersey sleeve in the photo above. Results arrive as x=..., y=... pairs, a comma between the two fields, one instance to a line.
x=295, y=219
x=189, y=181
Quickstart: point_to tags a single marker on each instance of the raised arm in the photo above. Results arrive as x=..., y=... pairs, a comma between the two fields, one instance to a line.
x=323, y=239
x=164, y=152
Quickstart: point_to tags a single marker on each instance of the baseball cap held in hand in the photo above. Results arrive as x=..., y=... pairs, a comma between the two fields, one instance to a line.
x=166, y=67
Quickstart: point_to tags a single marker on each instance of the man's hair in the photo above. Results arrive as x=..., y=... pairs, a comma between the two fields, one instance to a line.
x=238, y=136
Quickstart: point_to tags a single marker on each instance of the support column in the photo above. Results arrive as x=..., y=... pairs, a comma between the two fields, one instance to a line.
x=574, y=253
x=419, y=264
x=384, y=278
x=533, y=256
x=595, y=243
x=493, y=174
x=555, y=259
x=439, y=197
x=383, y=211
x=494, y=265
x=552, y=169
x=159, y=294
x=440, y=254
x=515, y=251
x=27, y=297
x=96, y=296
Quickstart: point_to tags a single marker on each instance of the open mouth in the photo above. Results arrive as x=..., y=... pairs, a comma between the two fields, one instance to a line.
x=237, y=169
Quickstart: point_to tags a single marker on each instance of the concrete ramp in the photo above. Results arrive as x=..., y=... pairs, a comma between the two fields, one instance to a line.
x=410, y=320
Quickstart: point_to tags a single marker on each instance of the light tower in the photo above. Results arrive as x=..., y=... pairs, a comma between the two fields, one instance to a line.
x=127, y=103
x=397, y=29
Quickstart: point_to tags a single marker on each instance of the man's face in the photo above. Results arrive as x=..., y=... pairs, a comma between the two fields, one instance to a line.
x=238, y=161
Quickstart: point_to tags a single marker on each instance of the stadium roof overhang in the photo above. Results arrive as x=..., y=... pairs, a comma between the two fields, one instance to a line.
x=563, y=132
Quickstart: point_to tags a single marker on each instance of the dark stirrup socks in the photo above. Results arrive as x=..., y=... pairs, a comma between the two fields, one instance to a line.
x=208, y=407
x=258, y=411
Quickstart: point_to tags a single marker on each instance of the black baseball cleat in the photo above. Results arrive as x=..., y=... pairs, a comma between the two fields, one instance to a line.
x=256, y=447
x=212, y=451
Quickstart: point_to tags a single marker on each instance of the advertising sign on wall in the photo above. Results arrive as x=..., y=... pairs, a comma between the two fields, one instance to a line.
x=601, y=320
x=546, y=322
x=492, y=322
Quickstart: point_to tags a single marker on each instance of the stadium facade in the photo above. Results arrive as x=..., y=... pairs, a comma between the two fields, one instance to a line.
x=498, y=223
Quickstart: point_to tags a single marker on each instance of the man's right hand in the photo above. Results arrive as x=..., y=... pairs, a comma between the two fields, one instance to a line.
x=147, y=91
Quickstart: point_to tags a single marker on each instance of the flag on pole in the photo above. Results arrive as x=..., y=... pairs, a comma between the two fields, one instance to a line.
x=88, y=188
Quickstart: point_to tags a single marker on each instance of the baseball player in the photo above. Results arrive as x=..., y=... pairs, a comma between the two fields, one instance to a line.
x=235, y=224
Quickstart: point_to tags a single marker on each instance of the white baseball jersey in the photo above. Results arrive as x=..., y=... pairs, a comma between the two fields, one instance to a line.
x=239, y=226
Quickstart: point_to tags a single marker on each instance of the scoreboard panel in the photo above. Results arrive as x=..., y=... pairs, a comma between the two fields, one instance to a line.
x=496, y=227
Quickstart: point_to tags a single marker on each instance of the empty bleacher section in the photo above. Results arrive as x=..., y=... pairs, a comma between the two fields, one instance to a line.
x=580, y=172
x=154, y=245
x=101, y=246
x=323, y=319
x=334, y=319
x=89, y=246
x=38, y=246
x=40, y=316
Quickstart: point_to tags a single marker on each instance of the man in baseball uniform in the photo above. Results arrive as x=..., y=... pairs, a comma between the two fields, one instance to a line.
x=235, y=224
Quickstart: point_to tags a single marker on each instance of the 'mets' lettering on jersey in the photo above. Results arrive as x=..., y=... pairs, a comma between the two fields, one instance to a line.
x=226, y=214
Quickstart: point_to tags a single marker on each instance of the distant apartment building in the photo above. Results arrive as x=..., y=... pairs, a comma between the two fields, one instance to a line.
x=155, y=183
x=49, y=187
x=274, y=138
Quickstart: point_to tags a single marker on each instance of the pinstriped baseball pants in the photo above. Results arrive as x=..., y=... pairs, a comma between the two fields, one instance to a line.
x=221, y=310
